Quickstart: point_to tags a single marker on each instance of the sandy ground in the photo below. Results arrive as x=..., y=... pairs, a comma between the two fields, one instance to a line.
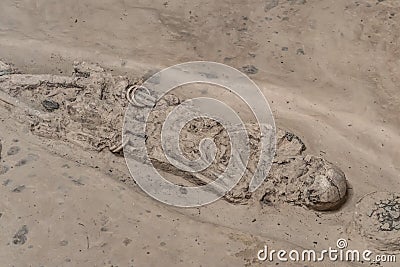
x=328, y=68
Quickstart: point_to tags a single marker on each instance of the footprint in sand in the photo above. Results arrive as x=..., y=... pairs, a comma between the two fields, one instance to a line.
x=14, y=150
x=4, y=169
x=29, y=158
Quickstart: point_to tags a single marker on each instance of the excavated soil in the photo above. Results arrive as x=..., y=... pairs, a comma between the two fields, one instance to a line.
x=328, y=69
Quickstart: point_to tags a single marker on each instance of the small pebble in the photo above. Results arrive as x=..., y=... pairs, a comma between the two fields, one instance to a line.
x=50, y=105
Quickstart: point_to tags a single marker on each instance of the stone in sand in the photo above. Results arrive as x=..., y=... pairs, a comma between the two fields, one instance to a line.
x=50, y=105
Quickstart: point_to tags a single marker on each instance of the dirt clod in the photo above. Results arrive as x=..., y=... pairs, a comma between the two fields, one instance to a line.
x=21, y=236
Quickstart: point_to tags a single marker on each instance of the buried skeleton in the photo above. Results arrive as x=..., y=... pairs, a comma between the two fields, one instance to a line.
x=87, y=110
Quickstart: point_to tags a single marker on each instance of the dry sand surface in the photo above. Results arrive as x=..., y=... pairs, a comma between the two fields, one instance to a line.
x=330, y=70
